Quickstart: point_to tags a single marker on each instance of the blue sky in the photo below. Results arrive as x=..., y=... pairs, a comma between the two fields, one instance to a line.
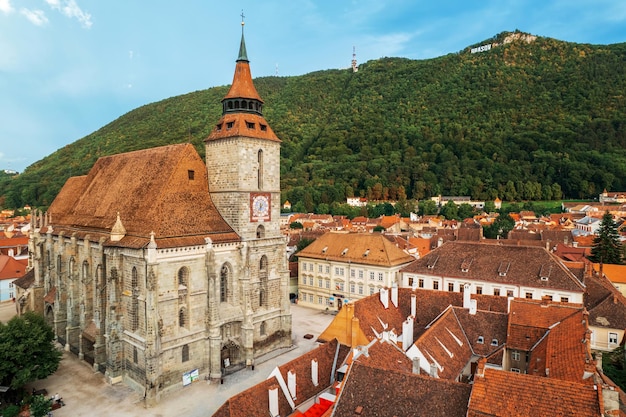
x=69, y=67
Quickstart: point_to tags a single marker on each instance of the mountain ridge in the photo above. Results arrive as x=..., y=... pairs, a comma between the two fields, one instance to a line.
x=522, y=120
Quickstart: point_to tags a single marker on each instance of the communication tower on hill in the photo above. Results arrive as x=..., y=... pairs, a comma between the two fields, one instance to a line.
x=355, y=67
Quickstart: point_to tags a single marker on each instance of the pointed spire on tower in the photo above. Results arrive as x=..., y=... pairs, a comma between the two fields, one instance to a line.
x=243, y=54
x=242, y=107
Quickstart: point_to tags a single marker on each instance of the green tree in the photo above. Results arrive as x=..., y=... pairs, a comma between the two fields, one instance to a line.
x=490, y=207
x=465, y=211
x=27, y=350
x=500, y=228
x=607, y=248
x=303, y=243
x=296, y=225
x=40, y=406
x=427, y=207
x=450, y=210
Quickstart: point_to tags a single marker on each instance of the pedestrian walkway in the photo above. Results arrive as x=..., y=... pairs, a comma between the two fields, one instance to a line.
x=86, y=393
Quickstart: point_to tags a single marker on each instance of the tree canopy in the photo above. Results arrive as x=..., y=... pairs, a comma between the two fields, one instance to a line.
x=607, y=248
x=27, y=352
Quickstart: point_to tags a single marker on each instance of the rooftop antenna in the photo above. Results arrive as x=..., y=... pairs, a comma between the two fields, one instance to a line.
x=355, y=67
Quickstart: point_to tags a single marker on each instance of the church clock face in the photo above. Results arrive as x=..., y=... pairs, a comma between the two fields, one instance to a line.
x=259, y=207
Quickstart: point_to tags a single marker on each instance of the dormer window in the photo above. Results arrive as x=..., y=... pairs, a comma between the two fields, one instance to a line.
x=230, y=125
x=191, y=174
x=324, y=249
x=343, y=252
x=263, y=127
x=494, y=342
x=432, y=263
x=545, y=272
x=367, y=252
x=481, y=340
x=465, y=265
x=250, y=125
x=503, y=268
x=218, y=127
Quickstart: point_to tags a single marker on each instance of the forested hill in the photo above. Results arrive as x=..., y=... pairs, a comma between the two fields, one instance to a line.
x=531, y=118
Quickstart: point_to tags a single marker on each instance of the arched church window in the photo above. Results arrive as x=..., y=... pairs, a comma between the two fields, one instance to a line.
x=134, y=306
x=182, y=317
x=263, y=281
x=183, y=277
x=224, y=281
x=84, y=275
x=260, y=169
x=260, y=232
x=185, y=353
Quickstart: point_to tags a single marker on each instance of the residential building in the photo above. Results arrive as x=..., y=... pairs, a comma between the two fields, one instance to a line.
x=158, y=268
x=494, y=269
x=460, y=363
x=338, y=268
x=11, y=269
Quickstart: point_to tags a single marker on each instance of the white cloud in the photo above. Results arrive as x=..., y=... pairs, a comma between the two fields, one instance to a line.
x=5, y=6
x=71, y=9
x=36, y=17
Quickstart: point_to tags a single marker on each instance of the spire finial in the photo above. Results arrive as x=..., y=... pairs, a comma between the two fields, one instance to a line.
x=243, y=54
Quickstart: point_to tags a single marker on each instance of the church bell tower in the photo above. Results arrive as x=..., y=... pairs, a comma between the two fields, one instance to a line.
x=243, y=159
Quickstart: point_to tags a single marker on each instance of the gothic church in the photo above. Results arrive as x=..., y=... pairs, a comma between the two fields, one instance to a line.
x=158, y=268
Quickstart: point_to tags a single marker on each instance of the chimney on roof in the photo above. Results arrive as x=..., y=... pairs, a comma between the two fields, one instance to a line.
x=598, y=356
x=407, y=333
x=413, y=305
x=433, y=370
x=384, y=297
x=473, y=307
x=291, y=383
x=394, y=294
x=466, y=295
x=416, y=366
x=480, y=367
x=273, y=399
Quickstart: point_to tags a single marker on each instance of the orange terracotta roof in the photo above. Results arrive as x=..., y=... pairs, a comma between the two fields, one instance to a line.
x=152, y=191
x=11, y=267
x=615, y=273
x=242, y=124
x=242, y=85
x=359, y=248
x=529, y=320
x=396, y=393
x=501, y=393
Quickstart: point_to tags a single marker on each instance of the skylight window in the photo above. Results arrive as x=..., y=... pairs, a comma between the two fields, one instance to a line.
x=481, y=340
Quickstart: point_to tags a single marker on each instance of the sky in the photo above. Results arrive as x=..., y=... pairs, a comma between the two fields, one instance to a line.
x=70, y=67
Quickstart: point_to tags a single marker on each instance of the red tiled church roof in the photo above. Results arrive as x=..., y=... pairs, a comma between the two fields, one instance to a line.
x=162, y=190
